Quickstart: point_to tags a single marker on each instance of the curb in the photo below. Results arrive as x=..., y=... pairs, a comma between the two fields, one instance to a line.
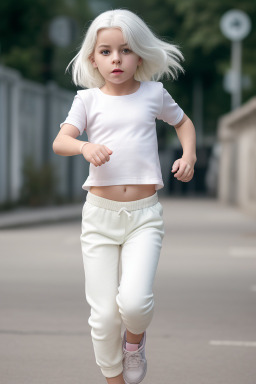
x=39, y=216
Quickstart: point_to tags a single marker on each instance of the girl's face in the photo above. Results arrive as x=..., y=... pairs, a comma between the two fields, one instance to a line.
x=113, y=58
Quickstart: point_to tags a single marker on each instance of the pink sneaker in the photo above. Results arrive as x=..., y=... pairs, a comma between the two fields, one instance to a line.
x=134, y=363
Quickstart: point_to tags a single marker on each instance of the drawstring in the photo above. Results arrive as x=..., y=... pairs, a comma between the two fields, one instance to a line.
x=123, y=209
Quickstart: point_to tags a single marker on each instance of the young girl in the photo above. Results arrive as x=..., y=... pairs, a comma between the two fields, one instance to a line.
x=120, y=62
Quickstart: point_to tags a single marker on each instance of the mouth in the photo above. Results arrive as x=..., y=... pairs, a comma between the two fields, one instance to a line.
x=117, y=71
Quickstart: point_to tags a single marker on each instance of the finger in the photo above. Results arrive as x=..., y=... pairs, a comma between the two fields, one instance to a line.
x=105, y=153
x=96, y=159
x=175, y=166
x=109, y=151
x=91, y=160
x=102, y=156
x=181, y=171
x=189, y=176
x=185, y=173
x=185, y=180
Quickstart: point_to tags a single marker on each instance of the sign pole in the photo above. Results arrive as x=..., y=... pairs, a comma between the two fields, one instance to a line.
x=235, y=25
x=236, y=63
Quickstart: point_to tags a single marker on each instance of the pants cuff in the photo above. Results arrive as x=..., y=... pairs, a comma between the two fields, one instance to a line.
x=113, y=371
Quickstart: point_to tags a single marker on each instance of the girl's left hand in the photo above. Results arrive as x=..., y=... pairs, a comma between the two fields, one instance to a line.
x=184, y=169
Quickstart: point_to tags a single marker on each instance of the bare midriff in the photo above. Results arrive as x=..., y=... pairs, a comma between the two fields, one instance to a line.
x=124, y=192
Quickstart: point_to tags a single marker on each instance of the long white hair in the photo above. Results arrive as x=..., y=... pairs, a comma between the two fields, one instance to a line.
x=159, y=58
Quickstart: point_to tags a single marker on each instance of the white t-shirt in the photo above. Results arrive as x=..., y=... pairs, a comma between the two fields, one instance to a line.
x=127, y=125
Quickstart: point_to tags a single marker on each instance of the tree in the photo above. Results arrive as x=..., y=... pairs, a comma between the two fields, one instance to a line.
x=191, y=24
x=194, y=26
x=25, y=42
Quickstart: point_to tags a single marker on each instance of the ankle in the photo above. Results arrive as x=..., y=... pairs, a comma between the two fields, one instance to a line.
x=131, y=338
x=116, y=380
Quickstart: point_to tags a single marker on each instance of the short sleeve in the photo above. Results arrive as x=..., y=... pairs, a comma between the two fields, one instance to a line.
x=171, y=112
x=77, y=115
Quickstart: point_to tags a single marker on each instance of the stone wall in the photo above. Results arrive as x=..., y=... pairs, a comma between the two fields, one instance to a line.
x=237, y=170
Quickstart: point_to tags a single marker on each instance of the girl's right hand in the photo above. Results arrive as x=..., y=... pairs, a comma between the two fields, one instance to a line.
x=97, y=154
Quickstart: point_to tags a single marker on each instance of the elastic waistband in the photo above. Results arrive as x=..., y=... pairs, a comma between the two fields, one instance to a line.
x=113, y=205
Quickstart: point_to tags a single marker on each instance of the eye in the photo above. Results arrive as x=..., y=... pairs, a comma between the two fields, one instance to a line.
x=104, y=52
x=126, y=51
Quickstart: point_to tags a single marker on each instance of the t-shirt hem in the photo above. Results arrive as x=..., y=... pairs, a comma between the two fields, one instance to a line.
x=102, y=183
x=178, y=120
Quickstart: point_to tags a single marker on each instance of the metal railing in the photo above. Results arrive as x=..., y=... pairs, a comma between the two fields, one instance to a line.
x=30, y=115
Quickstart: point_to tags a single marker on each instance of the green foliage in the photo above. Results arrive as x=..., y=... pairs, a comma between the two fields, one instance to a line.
x=194, y=26
x=191, y=24
x=24, y=36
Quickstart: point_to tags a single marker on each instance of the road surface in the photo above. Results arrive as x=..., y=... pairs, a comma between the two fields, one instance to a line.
x=204, y=327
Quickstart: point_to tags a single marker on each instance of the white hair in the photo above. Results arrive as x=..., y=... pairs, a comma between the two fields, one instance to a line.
x=159, y=58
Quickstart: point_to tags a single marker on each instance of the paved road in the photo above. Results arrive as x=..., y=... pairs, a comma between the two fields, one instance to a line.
x=204, y=328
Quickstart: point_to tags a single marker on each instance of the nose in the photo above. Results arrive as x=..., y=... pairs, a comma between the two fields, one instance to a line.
x=116, y=58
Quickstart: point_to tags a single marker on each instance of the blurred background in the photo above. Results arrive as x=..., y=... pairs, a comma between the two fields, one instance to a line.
x=39, y=38
x=204, y=327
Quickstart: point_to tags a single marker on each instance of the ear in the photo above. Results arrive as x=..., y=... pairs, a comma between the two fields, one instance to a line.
x=140, y=61
x=92, y=60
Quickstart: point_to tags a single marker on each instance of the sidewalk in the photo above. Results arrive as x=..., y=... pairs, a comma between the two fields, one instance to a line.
x=43, y=215
x=25, y=217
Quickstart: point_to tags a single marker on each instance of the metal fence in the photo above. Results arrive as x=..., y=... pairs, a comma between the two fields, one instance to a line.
x=30, y=115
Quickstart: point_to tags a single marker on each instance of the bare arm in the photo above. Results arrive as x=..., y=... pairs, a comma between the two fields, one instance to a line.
x=66, y=144
x=186, y=133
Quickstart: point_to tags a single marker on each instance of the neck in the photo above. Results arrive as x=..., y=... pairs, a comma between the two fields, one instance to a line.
x=120, y=89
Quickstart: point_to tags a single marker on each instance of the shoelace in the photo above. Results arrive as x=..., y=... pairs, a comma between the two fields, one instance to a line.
x=132, y=360
x=123, y=209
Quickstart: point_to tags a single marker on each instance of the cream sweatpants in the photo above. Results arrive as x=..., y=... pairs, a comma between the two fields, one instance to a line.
x=130, y=233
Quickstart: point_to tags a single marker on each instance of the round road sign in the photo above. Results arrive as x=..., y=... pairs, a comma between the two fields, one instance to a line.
x=235, y=25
